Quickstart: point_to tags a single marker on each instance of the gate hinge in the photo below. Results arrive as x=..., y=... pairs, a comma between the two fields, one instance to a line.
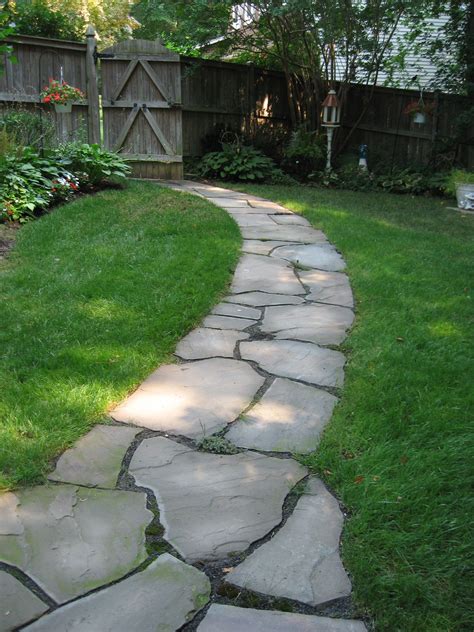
x=98, y=55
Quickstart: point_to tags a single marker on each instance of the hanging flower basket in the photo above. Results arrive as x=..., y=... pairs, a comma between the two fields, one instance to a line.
x=419, y=111
x=61, y=95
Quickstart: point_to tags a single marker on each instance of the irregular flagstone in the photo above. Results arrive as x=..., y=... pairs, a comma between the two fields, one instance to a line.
x=255, y=272
x=289, y=418
x=164, y=596
x=227, y=322
x=322, y=256
x=223, y=618
x=327, y=287
x=207, y=343
x=290, y=218
x=323, y=324
x=192, y=399
x=256, y=203
x=301, y=234
x=298, y=360
x=261, y=299
x=230, y=202
x=253, y=219
x=257, y=247
x=302, y=560
x=211, y=504
x=228, y=309
x=18, y=605
x=250, y=210
x=74, y=539
x=96, y=459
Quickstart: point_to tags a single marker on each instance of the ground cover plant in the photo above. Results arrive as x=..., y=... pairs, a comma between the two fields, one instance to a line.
x=398, y=451
x=93, y=297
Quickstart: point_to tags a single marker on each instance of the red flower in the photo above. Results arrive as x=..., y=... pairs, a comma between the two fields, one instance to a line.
x=46, y=99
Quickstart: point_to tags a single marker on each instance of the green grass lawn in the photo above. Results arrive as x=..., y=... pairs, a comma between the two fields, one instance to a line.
x=92, y=298
x=399, y=450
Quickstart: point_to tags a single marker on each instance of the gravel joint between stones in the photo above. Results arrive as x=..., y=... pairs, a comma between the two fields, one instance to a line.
x=200, y=540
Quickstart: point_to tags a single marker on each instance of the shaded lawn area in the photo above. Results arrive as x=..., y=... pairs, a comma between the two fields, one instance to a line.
x=92, y=298
x=399, y=449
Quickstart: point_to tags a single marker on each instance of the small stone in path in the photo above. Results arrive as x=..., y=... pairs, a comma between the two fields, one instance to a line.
x=227, y=322
x=70, y=539
x=18, y=605
x=302, y=560
x=327, y=287
x=257, y=273
x=96, y=459
x=213, y=504
x=261, y=299
x=226, y=309
x=321, y=256
x=191, y=399
x=322, y=324
x=164, y=596
x=209, y=343
x=298, y=360
x=289, y=418
x=223, y=618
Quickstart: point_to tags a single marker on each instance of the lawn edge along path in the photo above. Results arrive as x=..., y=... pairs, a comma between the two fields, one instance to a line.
x=191, y=499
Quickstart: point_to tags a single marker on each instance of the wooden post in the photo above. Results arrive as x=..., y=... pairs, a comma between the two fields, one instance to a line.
x=93, y=118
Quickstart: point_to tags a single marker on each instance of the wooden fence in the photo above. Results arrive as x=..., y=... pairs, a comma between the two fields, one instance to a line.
x=242, y=97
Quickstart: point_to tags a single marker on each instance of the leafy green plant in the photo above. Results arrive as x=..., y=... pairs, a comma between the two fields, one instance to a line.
x=458, y=176
x=37, y=19
x=98, y=164
x=239, y=162
x=305, y=152
x=28, y=128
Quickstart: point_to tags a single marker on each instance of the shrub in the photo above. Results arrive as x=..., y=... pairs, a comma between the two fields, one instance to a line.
x=96, y=164
x=305, y=153
x=28, y=128
x=239, y=162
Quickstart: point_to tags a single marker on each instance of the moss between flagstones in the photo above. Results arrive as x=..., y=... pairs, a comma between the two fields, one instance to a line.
x=92, y=298
x=398, y=450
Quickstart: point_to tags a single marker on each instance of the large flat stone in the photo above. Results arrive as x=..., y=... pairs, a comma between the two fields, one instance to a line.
x=323, y=324
x=209, y=343
x=222, y=618
x=257, y=247
x=164, y=596
x=327, y=287
x=227, y=322
x=250, y=210
x=317, y=255
x=18, y=605
x=191, y=399
x=228, y=309
x=256, y=273
x=253, y=219
x=301, y=234
x=230, y=202
x=298, y=360
x=302, y=560
x=73, y=539
x=255, y=203
x=261, y=299
x=211, y=504
x=290, y=219
x=290, y=417
x=96, y=459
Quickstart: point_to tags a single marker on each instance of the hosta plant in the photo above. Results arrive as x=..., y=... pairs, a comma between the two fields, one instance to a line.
x=238, y=162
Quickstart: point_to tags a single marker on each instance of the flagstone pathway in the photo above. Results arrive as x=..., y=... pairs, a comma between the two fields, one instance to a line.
x=143, y=528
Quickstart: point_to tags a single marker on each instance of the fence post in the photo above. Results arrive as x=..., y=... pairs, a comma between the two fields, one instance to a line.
x=93, y=118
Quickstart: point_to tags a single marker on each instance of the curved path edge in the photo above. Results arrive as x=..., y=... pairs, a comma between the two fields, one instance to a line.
x=191, y=497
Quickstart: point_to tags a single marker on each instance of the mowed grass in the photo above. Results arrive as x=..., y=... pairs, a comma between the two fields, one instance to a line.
x=92, y=299
x=399, y=449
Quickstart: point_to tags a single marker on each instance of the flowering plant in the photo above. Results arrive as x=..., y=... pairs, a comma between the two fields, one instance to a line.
x=60, y=92
x=419, y=107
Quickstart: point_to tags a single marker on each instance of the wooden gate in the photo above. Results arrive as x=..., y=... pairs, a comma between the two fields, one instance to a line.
x=141, y=101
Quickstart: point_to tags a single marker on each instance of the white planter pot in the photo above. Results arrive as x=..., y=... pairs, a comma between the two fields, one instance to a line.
x=419, y=118
x=465, y=196
x=63, y=107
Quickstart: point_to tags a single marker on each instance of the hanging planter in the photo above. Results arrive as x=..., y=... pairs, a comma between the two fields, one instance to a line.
x=419, y=111
x=61, y=95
